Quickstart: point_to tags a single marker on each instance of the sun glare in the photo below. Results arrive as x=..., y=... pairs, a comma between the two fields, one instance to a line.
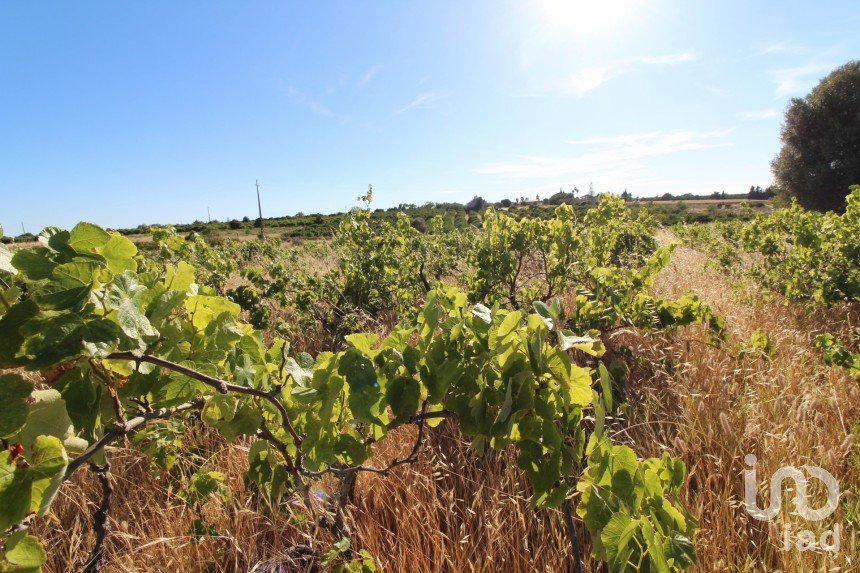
x=584, y=19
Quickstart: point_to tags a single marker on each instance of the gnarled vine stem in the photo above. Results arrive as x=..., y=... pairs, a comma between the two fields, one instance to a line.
x=121, y=429
x=101, y=526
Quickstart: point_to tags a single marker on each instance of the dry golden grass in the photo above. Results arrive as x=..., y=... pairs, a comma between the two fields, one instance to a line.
x=455, y=512
x=450, y=512
x=788, y=410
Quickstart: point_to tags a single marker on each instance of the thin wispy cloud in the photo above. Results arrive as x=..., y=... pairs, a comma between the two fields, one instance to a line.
x=621, y=153
x=309, y=103
x=680, y=58
x=775, y=48
x=783, y=49
x=798, y=80
x=421, y=101
x=589, y=78
x=585, y=80
x=368, y=75
x=629, y=139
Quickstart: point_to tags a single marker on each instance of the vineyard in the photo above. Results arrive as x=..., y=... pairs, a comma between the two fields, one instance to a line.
x=575, y=391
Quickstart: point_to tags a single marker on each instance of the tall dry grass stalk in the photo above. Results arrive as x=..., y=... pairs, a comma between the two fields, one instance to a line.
x=716, y=407
x=454, y=511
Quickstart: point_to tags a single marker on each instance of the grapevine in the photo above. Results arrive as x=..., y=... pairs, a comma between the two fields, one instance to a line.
x=127, y=344
x=807, y=256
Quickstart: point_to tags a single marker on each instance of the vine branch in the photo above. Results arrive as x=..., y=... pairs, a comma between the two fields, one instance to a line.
x=222, y=386
x=114, y=397
x=120, y=430
x=100, y=518
x=410, y=459
x=574, y=537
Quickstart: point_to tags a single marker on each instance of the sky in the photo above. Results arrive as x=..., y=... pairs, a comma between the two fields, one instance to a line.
x=140, y=112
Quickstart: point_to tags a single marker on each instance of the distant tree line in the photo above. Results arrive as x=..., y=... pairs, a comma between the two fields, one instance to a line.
x=756, y=192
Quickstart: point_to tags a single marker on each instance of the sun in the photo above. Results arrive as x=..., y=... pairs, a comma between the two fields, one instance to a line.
x=583, y=19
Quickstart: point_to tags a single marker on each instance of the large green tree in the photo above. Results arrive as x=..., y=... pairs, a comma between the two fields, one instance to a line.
x=820, y=156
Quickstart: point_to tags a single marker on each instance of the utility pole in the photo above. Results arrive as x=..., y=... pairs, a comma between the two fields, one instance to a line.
x=260, y=208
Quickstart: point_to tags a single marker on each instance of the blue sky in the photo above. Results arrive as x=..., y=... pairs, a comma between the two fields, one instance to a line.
x=124, y=113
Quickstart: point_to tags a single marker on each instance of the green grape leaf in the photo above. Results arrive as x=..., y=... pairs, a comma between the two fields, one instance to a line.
x=543, y=471
x=411, y=359
x=22, y=554
x=205, y=308
x=6, y=265
x=32, y=486
x=49, y=338
x=440, y=377
x=164, y=304
x=242, y=367
x=87, y=238
x=203, y=484
x=48, y=461
x=509, y=324
x=588, y=344
x=358, y=370
x=12, y=295
x=82, y=395
x=505, y=410
x=483, y=313
x=219, y=409
x=245, y=422
x=14, y=391
x=537, y=337
x=365, y=395
x=75, y=274
x=119, y=253
x=580, y=386
x=57, y=240
x=681, y=551
x=623, y=478
x=123, y=297
x=10, y=331
x=364, y=342
x=14, y=491
x=47, y=417
x=545, y=313
x=350, y=450
x=575, y=380
x=99, y=337
x=222, y=332
x=656, y=553
x=403, y=395
x=606, y=397
x=178, y=388
x=305, y=360
x=259, y=467
x=34, y=264
x=615, y=537
x=179, y=278
x=75, y=445
x=57, y=297
x=301, y=376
